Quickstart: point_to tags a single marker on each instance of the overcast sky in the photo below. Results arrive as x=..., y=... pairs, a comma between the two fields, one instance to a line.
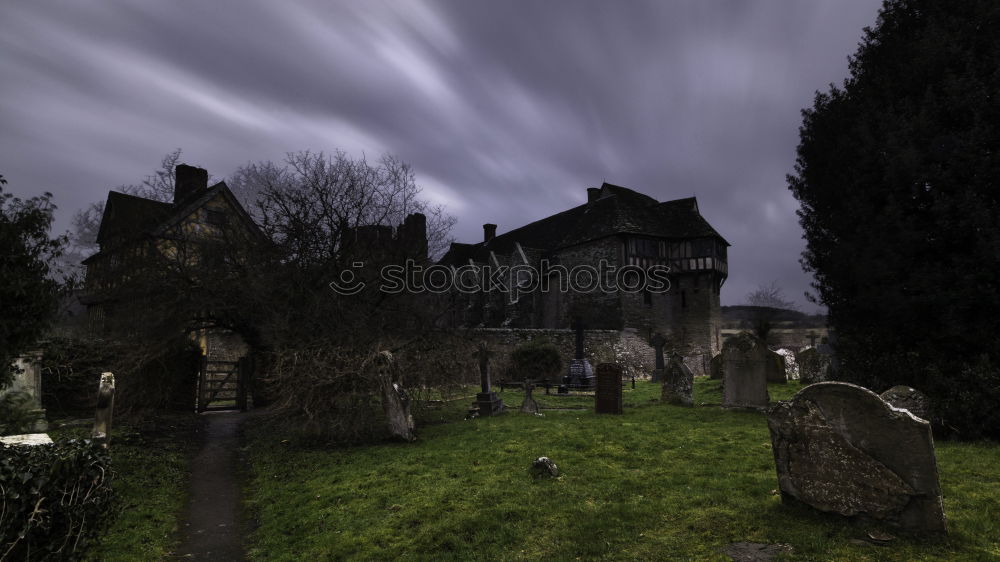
x=507, y=110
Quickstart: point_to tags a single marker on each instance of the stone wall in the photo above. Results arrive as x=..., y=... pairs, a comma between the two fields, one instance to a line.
x=599, y=346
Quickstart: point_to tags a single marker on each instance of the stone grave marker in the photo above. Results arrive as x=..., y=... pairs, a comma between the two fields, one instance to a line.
x=609, y=389
x=715, y=367
x=908, y=398
x=105, y=410
x=581, y=374
x=678, y=383
x=841, y=449
x=744, y=383
x=529, y=406
x=813, y=367
x=775, y=367
x=658, y=341
x=487, y=401
x=791, y=366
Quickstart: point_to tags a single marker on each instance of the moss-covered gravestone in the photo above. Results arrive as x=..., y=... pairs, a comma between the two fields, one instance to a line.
x=678, y=382
x=842, y=449
x=744, y=365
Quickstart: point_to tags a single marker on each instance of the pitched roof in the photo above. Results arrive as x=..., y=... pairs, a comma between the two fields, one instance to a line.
x=128, y=217
x=616, y=210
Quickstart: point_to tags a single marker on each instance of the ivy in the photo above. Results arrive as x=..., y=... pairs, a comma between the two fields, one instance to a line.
x=55, y=498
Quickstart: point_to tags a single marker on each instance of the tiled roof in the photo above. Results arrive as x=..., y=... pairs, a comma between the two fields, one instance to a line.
x=617, y=210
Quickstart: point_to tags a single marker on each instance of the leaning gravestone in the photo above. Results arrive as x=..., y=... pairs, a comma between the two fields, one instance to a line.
x=744, y=366
x=609, y=389
x=678, y=382
x=908, y=398
x=776, y=368
x=841, y=449
x=715, y=367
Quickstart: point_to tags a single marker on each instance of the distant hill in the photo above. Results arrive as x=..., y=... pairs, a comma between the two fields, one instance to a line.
x=740, y=316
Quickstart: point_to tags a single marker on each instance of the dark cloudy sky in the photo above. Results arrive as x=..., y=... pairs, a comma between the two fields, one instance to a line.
x=507, y=110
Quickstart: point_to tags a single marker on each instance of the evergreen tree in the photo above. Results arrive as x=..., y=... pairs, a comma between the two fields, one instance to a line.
x=896, y=175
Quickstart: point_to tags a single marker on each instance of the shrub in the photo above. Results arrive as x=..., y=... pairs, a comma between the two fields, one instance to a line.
x=54, y=497
x=148, y=375
x=537, y=359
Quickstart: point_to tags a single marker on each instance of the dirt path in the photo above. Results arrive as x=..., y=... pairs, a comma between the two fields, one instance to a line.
x=212, y=526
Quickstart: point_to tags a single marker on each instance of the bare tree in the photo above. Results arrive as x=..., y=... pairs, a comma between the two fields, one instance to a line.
x=767, y=302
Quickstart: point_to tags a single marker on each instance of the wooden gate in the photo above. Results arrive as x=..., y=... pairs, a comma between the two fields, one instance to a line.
x=223, y=385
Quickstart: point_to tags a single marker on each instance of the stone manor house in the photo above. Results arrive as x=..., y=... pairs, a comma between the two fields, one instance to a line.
x=623, y=227
x=616, y=224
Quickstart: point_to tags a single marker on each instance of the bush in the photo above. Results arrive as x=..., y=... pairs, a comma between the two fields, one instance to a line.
x=535, y=360
x=331, y=393
x=16, y=413
x=55, y=498
x=148, y=376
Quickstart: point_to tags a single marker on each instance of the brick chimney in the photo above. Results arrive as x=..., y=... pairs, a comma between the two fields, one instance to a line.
x=489, y=232
x=188, y=180
x=593, y=193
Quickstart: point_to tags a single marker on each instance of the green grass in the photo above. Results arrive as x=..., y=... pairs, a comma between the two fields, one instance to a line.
x=150, y=485
x=659, y=482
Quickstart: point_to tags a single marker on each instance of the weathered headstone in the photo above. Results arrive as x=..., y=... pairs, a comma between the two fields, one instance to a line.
x=487, y=401
x=529, y=406
x=678, y=383
x=105, y=409
x=813, y=367
x=841, y=449
x=395, y=400
x=744, y=383
x=791, y=366
x=908, y=398
x=581, y=374
x=775, y=368
x=715, y=367
x=609, y=389
x=658, y=341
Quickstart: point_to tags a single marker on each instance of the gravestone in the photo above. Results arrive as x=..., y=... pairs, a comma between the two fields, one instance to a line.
x=678, y=383
x=105, y=410
x=908, y=398
x=26, y=391
x=487, y=401
x=395, y=400
x=609, y=389
x=842, y=449
x=775, y=368
x=791, y=365
x=581, y=375
x=658, y=341
x=813, y=367
x=744, y=366
x=715, y=367
x=529, y=406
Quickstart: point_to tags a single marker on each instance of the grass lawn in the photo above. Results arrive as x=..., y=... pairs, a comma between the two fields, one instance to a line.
x=150, y=484
x=659, y=482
